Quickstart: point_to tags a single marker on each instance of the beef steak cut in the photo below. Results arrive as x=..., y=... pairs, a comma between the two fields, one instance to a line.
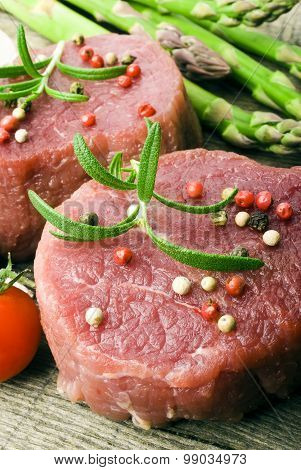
x=46, y=162
x=154, y=357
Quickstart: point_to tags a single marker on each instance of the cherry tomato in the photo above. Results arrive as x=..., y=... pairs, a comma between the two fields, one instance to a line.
x=210, y=310
x=263, y=200
x=86, y=53
x=133, y=71
x=146, y=110
x=284, y=211
x=4, y=136
x=194, y=189
x=235, y=285
x=244, y=199
x=88, y=119
x=20, y=332
x=96, y=61
x=124, y=81
x=122, y=255
x=9, y=122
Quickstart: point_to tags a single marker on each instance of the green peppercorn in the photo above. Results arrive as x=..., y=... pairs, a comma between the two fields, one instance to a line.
x=240, y=251
x=90, y=218
x=219, y=218
x=77, y=88
x=78, y=39
x=127, y=59
x=24, y=104
x=259, y=221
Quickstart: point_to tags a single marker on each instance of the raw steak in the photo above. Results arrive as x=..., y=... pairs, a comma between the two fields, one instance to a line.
x=154, y=357
x=47, y=163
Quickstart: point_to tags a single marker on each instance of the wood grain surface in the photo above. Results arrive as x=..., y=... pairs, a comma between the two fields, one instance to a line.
x=34, y=416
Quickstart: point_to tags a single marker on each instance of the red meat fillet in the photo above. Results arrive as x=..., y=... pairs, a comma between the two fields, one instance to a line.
x=47, y=163
x=154, y=357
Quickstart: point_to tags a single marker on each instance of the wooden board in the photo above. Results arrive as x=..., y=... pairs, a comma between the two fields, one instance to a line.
x=34, y=416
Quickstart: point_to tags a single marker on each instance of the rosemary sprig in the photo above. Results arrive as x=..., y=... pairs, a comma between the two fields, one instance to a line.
x=32, y=89
x=146, y=170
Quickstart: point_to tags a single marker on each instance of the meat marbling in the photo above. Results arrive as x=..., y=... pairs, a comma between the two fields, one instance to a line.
x=154, y=357
x=46, y=162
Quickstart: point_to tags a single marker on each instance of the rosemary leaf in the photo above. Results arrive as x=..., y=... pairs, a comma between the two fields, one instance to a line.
x=20, y=85
x=148, y=123
x=14, y=71
x=85, y=234
x=201, y=260
x=132, y=177
x=77, y=231
x=124, y=225
x=94, y=169
x=149, y=162
x=196, y=209
x=115, y=165
x=91, y=74
x=64, y=96
x=13, y=95
x=24, y=53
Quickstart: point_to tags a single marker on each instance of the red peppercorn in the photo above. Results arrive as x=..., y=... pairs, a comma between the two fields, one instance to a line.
x=88, y=119
x=86, y=53
x=122, y=255
x=235, y=285
x=124, y=81
x=263, y=200
x=284, y=211
x=96, y=61
x=146, y=110
x=194, y=189
x=9, y=122
x=4, y=136
x=244, y=199
x=210, y=310
x=133, y=71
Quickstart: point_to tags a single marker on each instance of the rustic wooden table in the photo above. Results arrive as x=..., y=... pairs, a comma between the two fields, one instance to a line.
x=34, y=416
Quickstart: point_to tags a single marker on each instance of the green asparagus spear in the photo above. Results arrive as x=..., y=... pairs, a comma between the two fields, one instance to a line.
x=241, y=128
x=51, y=19
x=228, y=12
x=117, y=12
x=287, y=55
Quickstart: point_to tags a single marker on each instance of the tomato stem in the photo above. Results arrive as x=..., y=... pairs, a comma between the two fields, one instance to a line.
x=8, y=273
